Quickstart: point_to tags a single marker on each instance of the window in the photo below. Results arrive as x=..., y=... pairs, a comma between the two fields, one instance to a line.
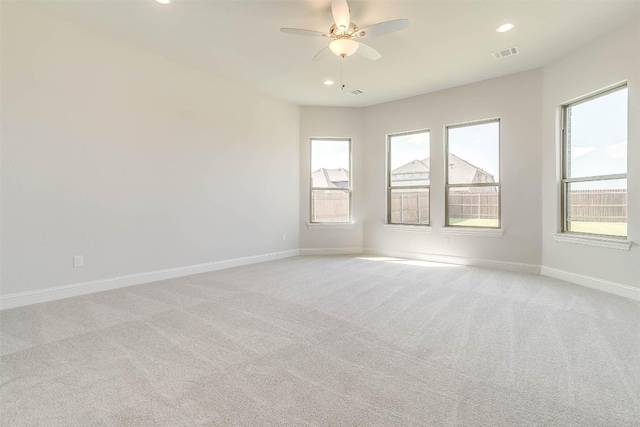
x=473, y=174
x=330, y=180
x=594, y=178
x=408, y=178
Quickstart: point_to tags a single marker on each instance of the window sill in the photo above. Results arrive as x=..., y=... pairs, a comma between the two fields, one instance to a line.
x=601, y=242
x=331, y=225
x=486, y=232
x=410, y=228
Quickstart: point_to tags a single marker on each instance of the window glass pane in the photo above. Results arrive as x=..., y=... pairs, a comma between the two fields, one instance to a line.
x=596, y=135
x=329, y=206
x=410, y=206
x=409, y=159
x=330, y=163
x=474, y=153
x=473, y=206
x=597, y=207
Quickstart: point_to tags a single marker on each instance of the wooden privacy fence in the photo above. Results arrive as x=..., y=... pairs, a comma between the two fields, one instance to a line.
x=606, y=205
x=468, y=204
x=598, y=205
x=410, y=208
x=329, y=206
x=413, y=207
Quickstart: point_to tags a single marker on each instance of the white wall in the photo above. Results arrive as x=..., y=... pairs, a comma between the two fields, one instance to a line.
x=610, y=59
x=516, y=100
x=134, y=161
x=528, y=104
x=141, y=164
x=326, y=122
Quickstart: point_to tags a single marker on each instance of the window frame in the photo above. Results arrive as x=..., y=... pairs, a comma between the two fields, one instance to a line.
x=406, y=187
x=447, y=186
x=565, y=159
x=349, y=189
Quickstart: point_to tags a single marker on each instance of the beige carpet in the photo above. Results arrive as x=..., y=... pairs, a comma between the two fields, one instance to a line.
x=327, y=341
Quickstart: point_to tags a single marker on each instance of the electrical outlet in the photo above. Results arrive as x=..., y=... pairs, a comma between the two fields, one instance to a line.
x=284, y=237
x=78, y=261
x=447, y=240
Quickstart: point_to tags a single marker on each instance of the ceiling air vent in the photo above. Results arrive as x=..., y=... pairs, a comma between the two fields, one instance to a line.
x=356, y=92
x=506, y=52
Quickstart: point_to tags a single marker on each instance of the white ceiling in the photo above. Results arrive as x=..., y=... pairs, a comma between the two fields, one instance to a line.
x=448, y=43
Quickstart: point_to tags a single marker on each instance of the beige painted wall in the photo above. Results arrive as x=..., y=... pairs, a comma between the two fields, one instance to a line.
x=527, y=104
x=609, y=60
x=516, y=100
x=327, y=122
x=141, y=164
x=134, y=161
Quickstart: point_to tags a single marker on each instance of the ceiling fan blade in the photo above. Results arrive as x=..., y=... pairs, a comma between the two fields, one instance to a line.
x=384, y=28
x=368, y=52
x=300, y=32
x=340, y=11
x=322, y=54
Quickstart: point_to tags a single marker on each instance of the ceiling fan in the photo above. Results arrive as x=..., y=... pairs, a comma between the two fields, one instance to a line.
x=344, y=34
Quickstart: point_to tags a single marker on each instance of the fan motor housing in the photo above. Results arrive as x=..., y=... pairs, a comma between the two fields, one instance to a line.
x=350, y=32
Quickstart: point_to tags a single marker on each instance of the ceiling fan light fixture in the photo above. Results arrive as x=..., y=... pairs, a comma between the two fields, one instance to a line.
x=343, y=47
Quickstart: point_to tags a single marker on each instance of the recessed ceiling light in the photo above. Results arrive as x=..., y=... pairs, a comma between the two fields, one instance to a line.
x=505, y=27
x=163, y=1
x=328, y=82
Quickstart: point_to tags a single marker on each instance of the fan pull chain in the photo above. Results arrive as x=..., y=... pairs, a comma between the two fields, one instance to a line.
x=342, y=73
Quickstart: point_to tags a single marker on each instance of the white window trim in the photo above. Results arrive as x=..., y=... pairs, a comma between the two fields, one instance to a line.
x=331, y=225
x=396, y=226
x=407, y=228
x=600, y=242
x=467, y=231
x=461, y=230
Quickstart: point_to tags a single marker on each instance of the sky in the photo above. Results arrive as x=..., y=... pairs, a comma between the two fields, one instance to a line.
x=329, y=154
x=598, y=140
x=408, y=147
x=598, y=135
x=478, y=145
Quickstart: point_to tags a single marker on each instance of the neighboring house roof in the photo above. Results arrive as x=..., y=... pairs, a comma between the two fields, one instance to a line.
x=414, y=166
x=602, y=161
x=416, y=172
x=460, y=171
x=330, y=178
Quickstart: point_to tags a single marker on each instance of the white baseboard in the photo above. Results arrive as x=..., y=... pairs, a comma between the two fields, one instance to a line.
x=578, y=279
x=448, y=259
x=331, y=251
x=76, y=289
x=592, y=282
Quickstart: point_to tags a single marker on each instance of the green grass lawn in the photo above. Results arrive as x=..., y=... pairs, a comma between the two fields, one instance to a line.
x=607, y=228
x=604, y=228
x=474, y=222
